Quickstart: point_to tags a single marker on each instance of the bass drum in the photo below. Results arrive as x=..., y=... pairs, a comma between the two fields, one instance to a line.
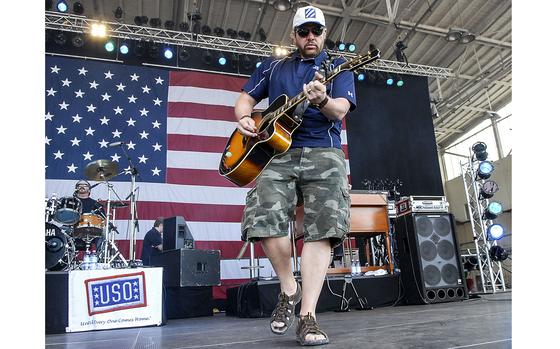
x=59, y=249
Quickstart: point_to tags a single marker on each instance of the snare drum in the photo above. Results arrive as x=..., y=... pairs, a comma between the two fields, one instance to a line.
x=90, y=226
x=68, y=210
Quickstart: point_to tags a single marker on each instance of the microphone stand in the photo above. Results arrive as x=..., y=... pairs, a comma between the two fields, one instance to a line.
x=133, y=217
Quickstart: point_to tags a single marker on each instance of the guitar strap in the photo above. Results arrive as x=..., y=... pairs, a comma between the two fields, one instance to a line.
x=326, y=68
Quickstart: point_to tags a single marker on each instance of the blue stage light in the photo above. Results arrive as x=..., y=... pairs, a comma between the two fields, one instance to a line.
x=124, y=49
x=493, y=210
x=341, y=46
x=258, y=64
x=62, y=6
x=361, y=76
x=110, y=46
x=351, y=47
x=495, y=232
x=168, y=53
x=400, y=82
x=485, y=170
x=222, y=60
x=390, y=81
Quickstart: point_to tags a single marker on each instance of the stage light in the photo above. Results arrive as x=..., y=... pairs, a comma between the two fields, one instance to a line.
x=118, y=13
x=98, y=30
x=155, y=22
x=361, y=76
x=329, y=44
x=110, y=46
x=495, y=232
x=351, y=47
x=184, y=54
x=340, y=46
x=168, y=53
x=459, y=35
x=232, y=33
x=140, y=49
x=206, y=30
x=488, y=189
x=498, y=253
x=485, y=169
x=219, y=32
x=60, y=38
x=390, y=81
x=78, y=8
x=262, y=34
x=467, y=38
x=78, y=40
x=493, y=210
x=124, y=48
x=400, y=81
x=244, y=35
x=479, y=150
x=258, y=64
x=169, y=25
x=471, y=263
x=400, y=46
x=184, y=27
x=280, y=51
x=141, y=20
x=154, y=50
x=207, y=57
x=282, y=5
x=222, y=60
x=62, y=6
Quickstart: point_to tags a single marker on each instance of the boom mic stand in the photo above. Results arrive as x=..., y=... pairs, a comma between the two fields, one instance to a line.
x=108, y=234
x=133, y=221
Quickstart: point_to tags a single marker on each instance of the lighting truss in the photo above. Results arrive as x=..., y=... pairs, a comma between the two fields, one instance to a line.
x=82, y=24
x=491, y=274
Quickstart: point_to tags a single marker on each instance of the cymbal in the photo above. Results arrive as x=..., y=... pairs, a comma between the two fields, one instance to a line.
x=100, y=170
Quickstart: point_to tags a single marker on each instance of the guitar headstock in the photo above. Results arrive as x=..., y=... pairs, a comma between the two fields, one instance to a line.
x=360, y=61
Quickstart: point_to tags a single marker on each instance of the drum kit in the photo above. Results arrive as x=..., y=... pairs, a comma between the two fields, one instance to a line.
x=68, y=230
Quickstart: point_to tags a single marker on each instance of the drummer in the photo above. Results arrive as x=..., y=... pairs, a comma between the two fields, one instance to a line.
x=89, y=205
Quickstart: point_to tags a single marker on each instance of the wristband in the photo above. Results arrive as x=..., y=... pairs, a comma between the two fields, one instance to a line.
x=322, y=103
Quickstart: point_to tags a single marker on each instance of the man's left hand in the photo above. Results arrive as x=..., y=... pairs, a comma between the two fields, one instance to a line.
x=315, y=91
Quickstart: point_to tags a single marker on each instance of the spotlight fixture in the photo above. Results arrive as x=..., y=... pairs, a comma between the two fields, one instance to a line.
x=329, y=44
x=60, y=38
x=340, y=46
x=206, y=30
x=280, y=51
x=498, y=253
x=232, y=33
x=459, y=35
x=78, y=40
x=169, y=25
x=488, y=189
x=168, y=53
x=118, y=13
x=479, y=150
x=351, y=47
x=184, y=54
x=258, y=64
x=361, y=76
x=219, y=32
x=184, y=27
x=471, y=263
x=154, y=50
x=400, y=81
x=222, y=60
x=262, y=34
x=433, y=109
x=207, y=57
x=495, y=232
x=400, y=46
x=155, y=22
x=62, y=6
x=390, y=81
x=98, y=30
x=493, y=210
x=109, y=46
x=78, y=8
x=141, y=20
x=244, y=35
x=485, y=169
x=282, y=5
x=140, y=48
x=124, y=48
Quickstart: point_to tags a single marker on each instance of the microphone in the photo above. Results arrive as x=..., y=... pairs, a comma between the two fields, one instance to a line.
x=95, y=185
x=116, y=144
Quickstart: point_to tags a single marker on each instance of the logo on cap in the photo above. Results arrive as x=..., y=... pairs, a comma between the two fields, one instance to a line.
x=310, y=13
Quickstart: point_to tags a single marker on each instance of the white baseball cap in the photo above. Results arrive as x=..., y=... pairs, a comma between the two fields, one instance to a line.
x=309, y=14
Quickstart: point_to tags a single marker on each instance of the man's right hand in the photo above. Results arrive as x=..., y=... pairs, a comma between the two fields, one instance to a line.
x=246, y=126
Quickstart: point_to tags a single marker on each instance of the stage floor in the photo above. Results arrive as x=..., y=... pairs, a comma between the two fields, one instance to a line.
x=475, y=323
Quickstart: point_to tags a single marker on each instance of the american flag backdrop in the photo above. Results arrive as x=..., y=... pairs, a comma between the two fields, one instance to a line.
x=174, y=126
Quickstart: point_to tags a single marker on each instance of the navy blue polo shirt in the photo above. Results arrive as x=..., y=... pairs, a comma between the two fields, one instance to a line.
x=277, y=76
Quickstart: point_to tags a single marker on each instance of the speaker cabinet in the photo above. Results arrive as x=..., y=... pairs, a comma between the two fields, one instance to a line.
x=429, y=258
x=176, y=234
x=187, y=267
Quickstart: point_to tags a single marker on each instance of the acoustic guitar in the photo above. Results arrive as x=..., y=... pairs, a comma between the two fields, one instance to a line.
x=244, y=158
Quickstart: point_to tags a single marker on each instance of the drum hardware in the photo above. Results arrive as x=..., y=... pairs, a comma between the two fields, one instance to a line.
x=59, y=249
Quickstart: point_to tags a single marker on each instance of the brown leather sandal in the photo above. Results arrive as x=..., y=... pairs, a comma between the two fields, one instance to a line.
x=308, y=325
x=285, y=311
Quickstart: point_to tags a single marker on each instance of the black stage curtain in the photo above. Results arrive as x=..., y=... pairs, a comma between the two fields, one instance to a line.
x=391, y=135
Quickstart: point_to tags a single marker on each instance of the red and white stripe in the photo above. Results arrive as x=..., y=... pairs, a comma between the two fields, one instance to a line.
x=199, y=123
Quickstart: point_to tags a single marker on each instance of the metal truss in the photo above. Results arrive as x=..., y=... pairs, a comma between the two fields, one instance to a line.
x=491, y=273
x=82, y=24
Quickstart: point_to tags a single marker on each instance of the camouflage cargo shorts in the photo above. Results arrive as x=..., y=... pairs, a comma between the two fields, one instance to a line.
x=315, y=177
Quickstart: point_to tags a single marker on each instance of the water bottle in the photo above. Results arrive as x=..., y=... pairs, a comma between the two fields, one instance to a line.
x=354, y=267
x=87, y=261
x=93, y=261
